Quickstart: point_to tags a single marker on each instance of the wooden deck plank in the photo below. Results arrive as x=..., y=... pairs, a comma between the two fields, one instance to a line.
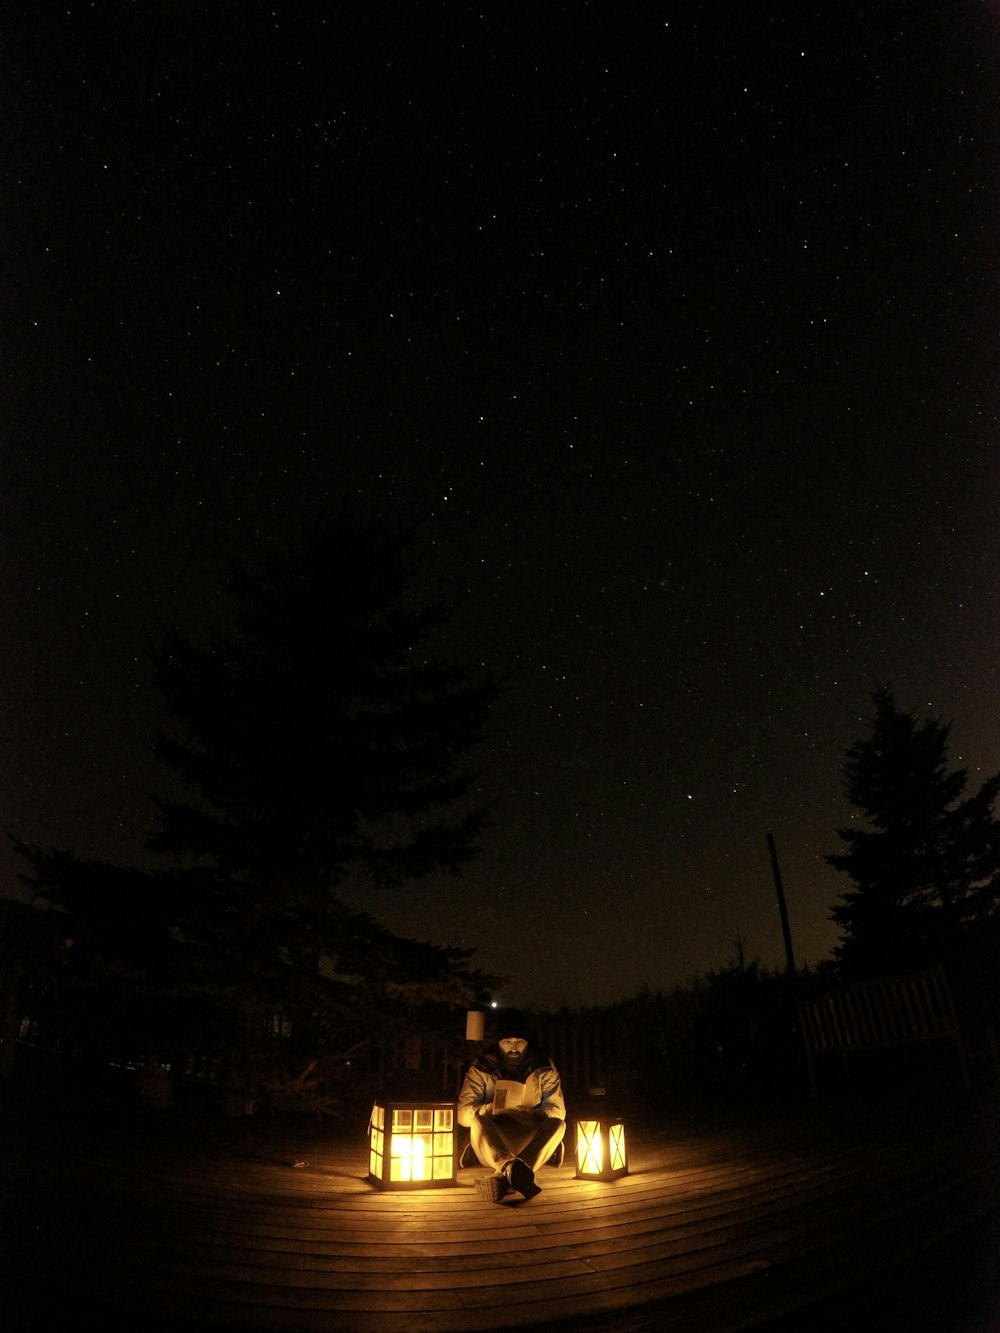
x=685, y=1218
x=494, y=1226
x=711, y=1224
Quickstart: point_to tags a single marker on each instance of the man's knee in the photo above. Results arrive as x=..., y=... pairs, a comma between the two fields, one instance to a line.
x=545, y=1141
x=488, y=1140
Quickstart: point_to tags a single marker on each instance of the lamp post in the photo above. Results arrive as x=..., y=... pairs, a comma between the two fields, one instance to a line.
x=412, y=1145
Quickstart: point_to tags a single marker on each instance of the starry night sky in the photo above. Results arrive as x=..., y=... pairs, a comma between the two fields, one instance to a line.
x=678, y=325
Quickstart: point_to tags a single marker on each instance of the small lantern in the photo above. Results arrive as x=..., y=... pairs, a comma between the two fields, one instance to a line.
x=600, y=1149
x=412, y=1145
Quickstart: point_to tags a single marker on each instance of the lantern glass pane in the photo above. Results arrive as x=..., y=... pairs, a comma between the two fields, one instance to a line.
x=616, y=1144
x=589, y=1154
x=421, y=1158
x=402, y=1118
x=409, y=1157
x=377, y=1153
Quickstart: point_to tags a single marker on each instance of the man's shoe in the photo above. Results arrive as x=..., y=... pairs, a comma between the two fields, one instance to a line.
x=491, y=1189
x=522, y=1179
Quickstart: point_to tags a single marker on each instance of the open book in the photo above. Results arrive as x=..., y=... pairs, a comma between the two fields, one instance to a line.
x=510, y=1095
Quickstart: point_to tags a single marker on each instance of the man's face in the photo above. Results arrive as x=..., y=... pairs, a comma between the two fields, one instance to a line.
x=512, y=1049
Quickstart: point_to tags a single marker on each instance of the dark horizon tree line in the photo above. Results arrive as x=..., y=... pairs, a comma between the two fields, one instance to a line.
x=321, y=739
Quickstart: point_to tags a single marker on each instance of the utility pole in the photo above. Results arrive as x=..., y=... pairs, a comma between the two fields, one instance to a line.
x=779, y=889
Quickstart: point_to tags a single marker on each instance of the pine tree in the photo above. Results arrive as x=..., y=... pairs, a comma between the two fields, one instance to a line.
x=321, y=740
x=318, y=741
x=926, y=868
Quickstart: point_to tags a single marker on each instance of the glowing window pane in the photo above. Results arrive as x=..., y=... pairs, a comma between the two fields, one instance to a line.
x=616, y=1139
x=589, y=1154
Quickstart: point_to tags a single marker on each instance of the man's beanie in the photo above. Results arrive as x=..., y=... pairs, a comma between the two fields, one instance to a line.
x=512, y=1023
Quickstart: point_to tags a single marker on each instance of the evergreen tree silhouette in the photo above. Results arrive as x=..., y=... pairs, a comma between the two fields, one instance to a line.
x=320, y=741
x=926, y=862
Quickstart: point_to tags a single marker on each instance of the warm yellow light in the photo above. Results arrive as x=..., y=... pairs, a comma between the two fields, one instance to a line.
x=616, y=1144
x=409, y=1158
x=589, y=1149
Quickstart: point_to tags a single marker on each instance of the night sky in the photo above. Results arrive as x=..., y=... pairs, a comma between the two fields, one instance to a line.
x=677, y=323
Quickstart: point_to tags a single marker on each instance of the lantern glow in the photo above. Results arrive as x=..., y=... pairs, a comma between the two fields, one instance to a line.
x=412, y=1145
x=600, y=1149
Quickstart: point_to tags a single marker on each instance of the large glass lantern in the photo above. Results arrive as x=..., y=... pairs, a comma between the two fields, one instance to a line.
x=600, y=1149
x=412, y=1145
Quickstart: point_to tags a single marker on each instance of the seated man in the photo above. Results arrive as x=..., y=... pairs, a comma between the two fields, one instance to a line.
x=514, y=1129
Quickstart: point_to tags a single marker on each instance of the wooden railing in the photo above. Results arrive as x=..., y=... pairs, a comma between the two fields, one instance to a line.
x=882, y=1013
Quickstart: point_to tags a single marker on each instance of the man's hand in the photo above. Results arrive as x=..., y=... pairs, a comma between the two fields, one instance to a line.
x=522, y=1115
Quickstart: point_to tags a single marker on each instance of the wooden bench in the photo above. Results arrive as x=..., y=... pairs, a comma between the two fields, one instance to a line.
x=878, y=1014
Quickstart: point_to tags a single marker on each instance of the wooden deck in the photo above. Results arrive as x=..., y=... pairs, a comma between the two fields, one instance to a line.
x=717, y=1227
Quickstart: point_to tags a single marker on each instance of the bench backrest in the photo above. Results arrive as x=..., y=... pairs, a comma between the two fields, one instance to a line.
x=888, y=1011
